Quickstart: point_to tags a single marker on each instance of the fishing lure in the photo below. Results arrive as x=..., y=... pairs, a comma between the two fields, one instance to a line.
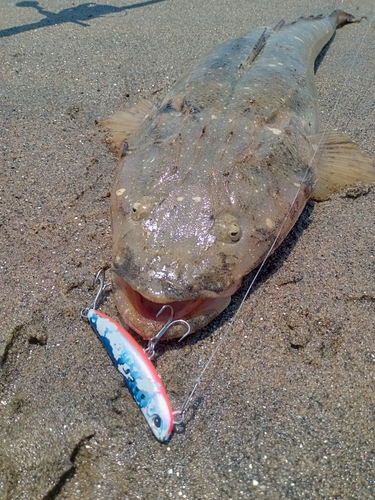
x=135, y=366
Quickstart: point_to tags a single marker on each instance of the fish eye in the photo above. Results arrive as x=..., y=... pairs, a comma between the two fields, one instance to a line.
x=156, y=420
x=141, y=208
x=136, y=208
x=227, y=228
x=235, y=231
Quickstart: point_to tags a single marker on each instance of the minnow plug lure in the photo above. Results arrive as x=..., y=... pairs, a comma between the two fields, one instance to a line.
x=135, y=366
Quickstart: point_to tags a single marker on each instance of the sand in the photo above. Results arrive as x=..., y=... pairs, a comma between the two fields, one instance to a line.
x=286, y=409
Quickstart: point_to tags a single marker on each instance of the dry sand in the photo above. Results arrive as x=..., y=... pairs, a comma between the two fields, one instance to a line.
x=287, y=409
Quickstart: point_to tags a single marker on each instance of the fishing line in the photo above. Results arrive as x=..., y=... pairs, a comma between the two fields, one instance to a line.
x=232, y=321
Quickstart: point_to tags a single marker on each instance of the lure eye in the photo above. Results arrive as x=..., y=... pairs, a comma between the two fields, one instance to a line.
x=156, y=420
x=227, y=228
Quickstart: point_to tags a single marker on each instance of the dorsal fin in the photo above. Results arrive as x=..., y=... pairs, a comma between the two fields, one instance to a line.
x=339, y=163
x=123, y=125
x=258, y=47
x=278, y=26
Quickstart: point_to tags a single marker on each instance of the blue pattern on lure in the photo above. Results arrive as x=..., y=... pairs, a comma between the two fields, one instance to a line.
x=135, y=366
x=128, y=367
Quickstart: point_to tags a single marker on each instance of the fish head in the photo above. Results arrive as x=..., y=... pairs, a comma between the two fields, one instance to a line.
x=174, y=251
x=187, y=236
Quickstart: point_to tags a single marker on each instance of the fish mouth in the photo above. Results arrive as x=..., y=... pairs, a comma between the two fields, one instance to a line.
x=139, y=312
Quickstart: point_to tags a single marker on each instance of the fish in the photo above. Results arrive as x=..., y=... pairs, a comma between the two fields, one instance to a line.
x=216, y=176
x=138, y=372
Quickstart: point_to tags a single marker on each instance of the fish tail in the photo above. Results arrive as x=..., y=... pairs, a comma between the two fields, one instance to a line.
x=341, y=18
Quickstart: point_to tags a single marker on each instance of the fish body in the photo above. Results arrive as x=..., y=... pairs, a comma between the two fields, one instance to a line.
x=220, y=170
x=139, y=373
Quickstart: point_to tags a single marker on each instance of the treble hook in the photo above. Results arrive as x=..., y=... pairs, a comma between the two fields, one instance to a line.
x=150, y=349
x=99, y=278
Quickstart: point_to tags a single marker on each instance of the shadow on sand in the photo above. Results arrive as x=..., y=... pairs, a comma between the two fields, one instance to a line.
x=77, y=15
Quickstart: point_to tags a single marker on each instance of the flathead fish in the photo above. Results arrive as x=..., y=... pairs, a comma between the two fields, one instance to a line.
x=207, y=180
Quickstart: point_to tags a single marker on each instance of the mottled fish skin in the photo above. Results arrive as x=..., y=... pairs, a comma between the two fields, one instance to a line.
x=208, y=179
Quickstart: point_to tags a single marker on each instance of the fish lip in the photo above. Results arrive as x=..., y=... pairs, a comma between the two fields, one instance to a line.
x=162, y=290
x=139, y=312
x=149, y=309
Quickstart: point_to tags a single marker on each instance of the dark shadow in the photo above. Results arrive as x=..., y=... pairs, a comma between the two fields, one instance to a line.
x=77, y=15
x=192, y=410
x=322, y=53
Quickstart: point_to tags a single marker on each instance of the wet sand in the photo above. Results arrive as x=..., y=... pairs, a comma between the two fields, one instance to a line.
x=287, y=407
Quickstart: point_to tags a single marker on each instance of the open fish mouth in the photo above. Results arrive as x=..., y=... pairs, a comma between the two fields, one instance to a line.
x=139, y=312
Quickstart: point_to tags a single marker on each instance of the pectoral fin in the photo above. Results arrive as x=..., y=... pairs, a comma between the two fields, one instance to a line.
x=338, y=163
x=123, y=125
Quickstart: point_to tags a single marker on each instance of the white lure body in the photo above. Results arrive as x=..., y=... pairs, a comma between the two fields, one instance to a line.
x=139, y=373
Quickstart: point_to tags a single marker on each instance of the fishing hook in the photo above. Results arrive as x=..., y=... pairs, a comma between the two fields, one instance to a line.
x=99, y=278
x=150, y=349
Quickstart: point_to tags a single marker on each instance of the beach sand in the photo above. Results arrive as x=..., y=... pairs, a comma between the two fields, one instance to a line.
x=286, y=409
